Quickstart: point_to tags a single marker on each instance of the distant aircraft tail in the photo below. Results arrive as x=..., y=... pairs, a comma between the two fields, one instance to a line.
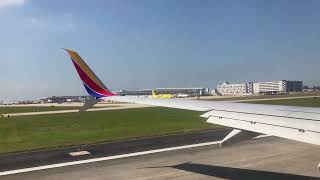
x=91, y=82
x=153, y=93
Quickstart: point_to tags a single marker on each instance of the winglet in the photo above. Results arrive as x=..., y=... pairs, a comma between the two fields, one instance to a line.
x=91, y=82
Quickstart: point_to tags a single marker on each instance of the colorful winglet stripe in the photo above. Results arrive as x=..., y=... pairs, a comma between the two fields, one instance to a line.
x=76, y=58
x=92, y=93
x=91, y=82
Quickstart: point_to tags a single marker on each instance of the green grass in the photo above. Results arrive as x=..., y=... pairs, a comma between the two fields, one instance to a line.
x=307, y=102
x=49, y=131
x=22, y=109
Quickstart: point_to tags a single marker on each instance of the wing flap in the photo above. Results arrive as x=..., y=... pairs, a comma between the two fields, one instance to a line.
x=283, y=121
x=282, y=127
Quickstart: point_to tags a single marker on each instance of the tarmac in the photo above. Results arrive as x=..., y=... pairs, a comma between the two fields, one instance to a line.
x=103, y=107
x=264, y=158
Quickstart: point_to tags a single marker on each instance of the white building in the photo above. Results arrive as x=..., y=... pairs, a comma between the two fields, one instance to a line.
x=277, y=87
x=268, y=87
x=213, y=92
x=226, y=89
x=174, y=91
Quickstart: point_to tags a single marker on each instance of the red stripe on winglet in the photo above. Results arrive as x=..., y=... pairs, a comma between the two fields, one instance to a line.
x=89, y=82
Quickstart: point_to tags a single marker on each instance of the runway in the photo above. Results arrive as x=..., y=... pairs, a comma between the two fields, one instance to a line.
x=55, y=156
x=102, y=107
x=265, y=158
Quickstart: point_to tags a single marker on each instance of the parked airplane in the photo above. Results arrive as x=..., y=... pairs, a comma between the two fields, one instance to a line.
x=161, y=96
x=248, y=120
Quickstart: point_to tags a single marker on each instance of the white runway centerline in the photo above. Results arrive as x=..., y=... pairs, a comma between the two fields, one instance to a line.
x=4, y=173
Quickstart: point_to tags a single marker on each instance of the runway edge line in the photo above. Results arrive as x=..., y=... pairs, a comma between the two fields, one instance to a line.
x=72, y=163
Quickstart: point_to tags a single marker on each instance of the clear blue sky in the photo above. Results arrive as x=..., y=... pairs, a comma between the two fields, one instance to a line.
x=155, y=43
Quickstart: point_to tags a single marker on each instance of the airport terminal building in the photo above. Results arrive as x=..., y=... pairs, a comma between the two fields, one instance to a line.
x=62, y=99
x=226, y=88
x=277, y=87
x=266, y=87
x=174, y=91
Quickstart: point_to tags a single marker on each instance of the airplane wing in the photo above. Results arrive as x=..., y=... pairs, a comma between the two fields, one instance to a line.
x=248, y=120
x=296, y=123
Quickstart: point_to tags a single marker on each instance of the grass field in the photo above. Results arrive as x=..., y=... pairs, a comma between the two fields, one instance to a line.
x=22, y=109
x=307, y=102
x=56, y=130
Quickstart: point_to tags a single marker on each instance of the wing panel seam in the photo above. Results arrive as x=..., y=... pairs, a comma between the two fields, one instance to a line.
x=254, y=122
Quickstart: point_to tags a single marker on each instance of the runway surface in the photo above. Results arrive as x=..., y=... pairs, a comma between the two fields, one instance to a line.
x=101, y=108
x=46, y=157
x=265, y=158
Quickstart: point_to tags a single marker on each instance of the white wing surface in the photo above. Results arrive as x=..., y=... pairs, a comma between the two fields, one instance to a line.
x=296, y=123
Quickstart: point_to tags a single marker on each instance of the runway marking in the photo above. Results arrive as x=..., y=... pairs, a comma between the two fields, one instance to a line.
x=4, y=173
x=79, y=153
